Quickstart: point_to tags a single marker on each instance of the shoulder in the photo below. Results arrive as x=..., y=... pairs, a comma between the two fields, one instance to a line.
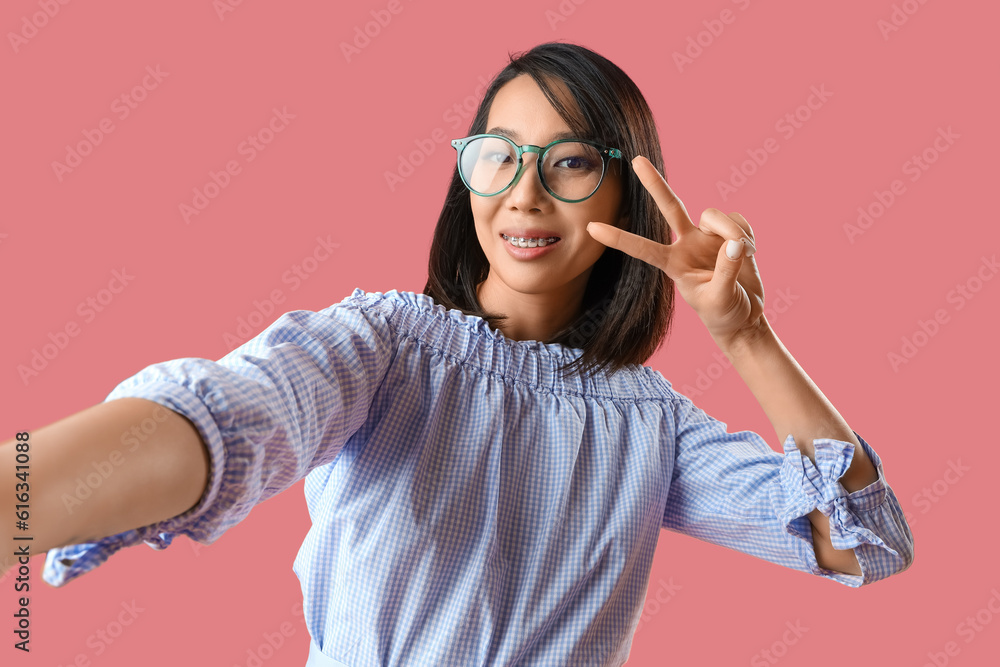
x=643, y=383
x=415, y=314
x=395, y=305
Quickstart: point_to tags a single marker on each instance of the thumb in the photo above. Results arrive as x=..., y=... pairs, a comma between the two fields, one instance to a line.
x=727, y=268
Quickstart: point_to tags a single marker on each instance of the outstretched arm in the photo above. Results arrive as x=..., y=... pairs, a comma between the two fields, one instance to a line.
x=264, y=416
x=161, y=478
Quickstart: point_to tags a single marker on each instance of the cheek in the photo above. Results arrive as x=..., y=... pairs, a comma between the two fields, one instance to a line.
x=608, y=202
x=594, y=249
x=606, y=211
x=482, y=213
x=481, y=219
x=483, y=209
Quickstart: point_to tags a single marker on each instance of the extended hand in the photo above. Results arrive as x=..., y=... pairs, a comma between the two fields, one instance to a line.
x=727, y=294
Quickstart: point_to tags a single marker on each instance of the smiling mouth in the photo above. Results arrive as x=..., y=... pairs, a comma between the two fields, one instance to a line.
x=529, y=242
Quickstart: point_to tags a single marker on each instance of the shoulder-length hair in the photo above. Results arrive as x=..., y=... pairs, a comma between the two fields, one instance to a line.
x=628, y=304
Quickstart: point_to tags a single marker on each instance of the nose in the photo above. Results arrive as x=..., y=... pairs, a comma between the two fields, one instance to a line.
x=527, y=189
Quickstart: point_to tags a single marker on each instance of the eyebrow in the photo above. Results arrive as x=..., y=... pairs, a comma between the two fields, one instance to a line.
x=503, y=131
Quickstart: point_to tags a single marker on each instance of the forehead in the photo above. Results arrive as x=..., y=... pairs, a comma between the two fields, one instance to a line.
x=525, y=114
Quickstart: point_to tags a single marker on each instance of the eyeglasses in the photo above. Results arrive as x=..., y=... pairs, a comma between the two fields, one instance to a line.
x=570, y=170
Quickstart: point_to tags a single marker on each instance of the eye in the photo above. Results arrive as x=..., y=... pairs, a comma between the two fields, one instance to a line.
x=575, y=162
x=497, y=156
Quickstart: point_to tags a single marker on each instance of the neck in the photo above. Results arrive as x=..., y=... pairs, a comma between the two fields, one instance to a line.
x=531, y=316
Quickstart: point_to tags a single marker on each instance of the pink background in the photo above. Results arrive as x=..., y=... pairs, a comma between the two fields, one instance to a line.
x=852, y=300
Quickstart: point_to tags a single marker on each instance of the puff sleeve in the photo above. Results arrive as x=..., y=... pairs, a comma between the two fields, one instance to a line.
x=733, y=490
x=269, y=412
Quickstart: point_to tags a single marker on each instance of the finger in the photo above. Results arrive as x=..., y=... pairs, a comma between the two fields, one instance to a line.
x=742, y=222
x=716, y=222
x=631, y=244
x=668, y=202
x=727, y=269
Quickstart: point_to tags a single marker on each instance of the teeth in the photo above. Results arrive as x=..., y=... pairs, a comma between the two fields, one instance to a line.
x=524, y=242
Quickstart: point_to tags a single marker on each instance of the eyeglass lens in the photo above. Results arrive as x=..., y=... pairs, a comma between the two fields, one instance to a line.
x=570, y=169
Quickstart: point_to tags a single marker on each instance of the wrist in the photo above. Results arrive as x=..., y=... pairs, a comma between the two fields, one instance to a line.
x=746, y=340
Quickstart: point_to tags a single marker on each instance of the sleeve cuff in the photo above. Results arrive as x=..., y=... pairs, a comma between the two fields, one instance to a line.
x=810, y=486
x=202, y=522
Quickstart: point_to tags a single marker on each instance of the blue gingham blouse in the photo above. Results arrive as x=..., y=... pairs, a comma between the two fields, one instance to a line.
x=470, y=504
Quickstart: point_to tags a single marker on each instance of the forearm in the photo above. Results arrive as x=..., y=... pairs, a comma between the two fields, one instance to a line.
x=795, y=406
x=87, y=481
x=793, y=403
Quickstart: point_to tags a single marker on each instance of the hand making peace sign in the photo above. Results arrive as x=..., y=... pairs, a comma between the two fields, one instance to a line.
x=727, y=294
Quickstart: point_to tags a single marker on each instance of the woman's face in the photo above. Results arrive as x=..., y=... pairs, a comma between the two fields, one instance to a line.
x=521, y=112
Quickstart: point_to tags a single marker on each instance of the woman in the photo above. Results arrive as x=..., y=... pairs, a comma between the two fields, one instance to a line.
x=489, y=465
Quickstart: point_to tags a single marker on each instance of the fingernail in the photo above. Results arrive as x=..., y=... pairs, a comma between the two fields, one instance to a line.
x=750, y=249
x=733, y=249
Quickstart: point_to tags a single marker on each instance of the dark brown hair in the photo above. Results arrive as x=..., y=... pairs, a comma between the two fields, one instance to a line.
x=628, y=304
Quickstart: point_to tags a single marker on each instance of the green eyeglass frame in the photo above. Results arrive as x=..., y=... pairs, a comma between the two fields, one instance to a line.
x=606, y=153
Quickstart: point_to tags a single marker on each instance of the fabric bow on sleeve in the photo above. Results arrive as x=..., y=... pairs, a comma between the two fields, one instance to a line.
x=821, y=489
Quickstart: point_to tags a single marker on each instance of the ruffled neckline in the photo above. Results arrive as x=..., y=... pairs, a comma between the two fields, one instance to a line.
x=475, y=323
